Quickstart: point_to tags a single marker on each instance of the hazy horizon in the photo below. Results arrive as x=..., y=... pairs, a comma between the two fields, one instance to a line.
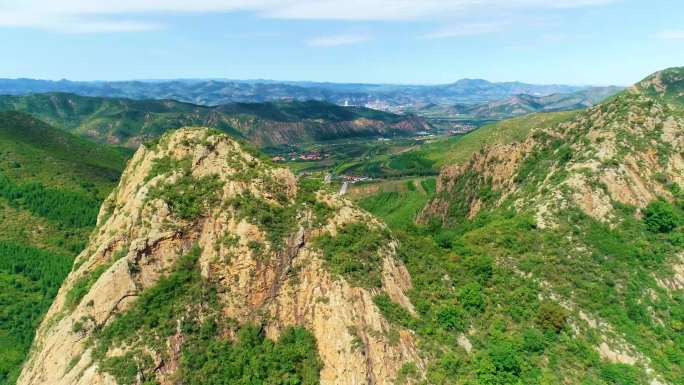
x=304, y=81
x=574, y=42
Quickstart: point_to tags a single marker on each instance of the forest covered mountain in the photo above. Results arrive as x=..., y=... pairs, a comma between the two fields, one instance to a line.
x=129, y=122
x=51, y=186
x=584, y=219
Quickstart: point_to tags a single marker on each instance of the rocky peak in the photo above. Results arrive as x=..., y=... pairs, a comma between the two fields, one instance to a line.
x=201, y=238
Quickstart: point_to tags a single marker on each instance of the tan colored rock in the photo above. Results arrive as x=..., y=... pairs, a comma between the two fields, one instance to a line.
x=609, y=354
x=628, y=157
x=138, y=239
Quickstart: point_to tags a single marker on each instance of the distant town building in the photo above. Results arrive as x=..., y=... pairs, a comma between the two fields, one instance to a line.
x=312, y=155
x=354, y=178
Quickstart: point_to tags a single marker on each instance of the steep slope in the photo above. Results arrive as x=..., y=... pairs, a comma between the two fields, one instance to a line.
x=36, y=151
x=130, y=122
x=630, y=144
x=585, y=216
x=208, y=264
x=51, y=185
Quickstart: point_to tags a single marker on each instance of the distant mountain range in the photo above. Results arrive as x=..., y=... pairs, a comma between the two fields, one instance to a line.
x=216, y=92
x=518, y=105
x=128, y=122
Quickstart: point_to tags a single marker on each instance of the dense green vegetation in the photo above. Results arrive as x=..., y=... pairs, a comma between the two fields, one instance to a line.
x=29, y=280
x=65, y=208
x=497, y=279
x=672, y=77
x=355, y=253
x=32, y=151
x=398, y=207
x=51, y=186
x=661, y=217
x=131, y=122
x=252, y=359
x=184, y=298
x=467, y=279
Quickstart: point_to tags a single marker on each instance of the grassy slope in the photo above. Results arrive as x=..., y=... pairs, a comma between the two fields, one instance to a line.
x=396, y=202
x=34, y=151
x=51, y=186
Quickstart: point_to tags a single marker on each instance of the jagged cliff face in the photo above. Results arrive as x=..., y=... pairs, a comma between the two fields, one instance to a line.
x=627, y=150
x=197, y=202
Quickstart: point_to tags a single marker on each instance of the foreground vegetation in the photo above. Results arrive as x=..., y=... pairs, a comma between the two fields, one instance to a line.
x=51, y=187
x=489, y=280
x=504, y=300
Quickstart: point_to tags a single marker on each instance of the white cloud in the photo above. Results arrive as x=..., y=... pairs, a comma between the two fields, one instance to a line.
x=105, y=14
x=337, y=40
x=466, y=30
x=75, y=23
x=671, y=35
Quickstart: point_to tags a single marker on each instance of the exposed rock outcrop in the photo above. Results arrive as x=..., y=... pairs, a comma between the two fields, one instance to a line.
x=190, y=190
x=586, y=183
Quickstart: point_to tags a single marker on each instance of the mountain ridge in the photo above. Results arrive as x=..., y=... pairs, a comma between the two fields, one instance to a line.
x=553, y=253
x=520, y=104
x=594, y=185
x=214, y=92
x=129, y=122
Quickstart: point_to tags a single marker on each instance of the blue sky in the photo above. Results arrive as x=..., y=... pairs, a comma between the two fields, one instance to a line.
x=380, y=41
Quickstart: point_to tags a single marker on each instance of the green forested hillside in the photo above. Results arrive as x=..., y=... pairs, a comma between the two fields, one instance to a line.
x=543, y=260
x=130, y=122
x=51, y=186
